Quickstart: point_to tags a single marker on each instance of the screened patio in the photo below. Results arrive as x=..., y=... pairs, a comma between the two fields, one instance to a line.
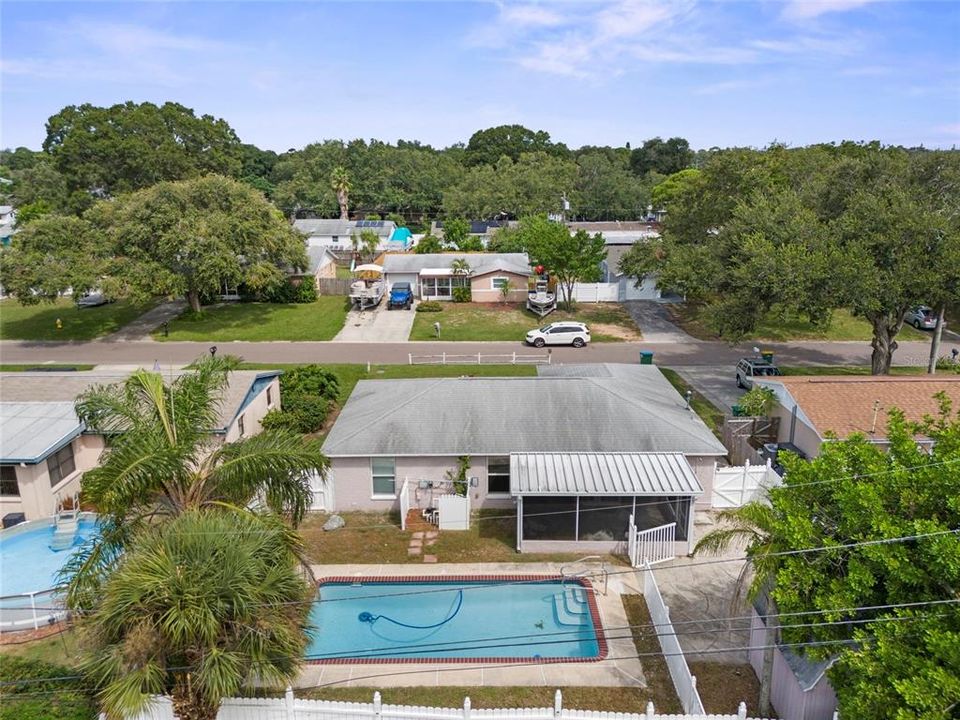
x=584, y=501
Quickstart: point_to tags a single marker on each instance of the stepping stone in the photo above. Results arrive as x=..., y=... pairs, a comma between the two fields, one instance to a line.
x=431, y=542
x=413, y=551
x=429, y=558
x=416, y=543
x=417, y=535
x=432, y=534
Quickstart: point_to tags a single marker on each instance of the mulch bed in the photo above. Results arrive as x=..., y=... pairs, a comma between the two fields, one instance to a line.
x=723, y=687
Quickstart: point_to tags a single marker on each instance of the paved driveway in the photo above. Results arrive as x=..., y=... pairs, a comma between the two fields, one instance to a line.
x=654, y=322
x=377, y=325
x=715, y=382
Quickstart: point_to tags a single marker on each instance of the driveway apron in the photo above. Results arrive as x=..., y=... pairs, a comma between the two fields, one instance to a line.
x=377, y=325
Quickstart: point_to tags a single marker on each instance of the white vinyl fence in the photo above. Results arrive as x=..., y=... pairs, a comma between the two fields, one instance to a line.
x=738, y=485
x=404, y=503
x=453, y=512
x=596, y=292
x=479, y=359
x=293, y=708
x=651, y=546
x=683, y=681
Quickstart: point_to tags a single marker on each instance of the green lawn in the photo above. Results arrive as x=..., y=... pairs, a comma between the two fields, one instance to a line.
x=43, y=366
x=60, y=649
x=707, y=411
x=777, y=328
x=848, y=370
x=39, y=322
x=256, y=322
x=609, y=322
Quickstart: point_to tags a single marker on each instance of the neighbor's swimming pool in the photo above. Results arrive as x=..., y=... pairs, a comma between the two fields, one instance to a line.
x=459, y=619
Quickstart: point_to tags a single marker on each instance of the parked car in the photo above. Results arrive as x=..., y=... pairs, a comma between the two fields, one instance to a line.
x=922, y=318
x=751, y=367
x=92, y=299
x=401, y=295
x=560, y=333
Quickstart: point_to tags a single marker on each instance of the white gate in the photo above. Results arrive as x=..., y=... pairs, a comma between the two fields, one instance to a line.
x=738, y=485
x=322, y=489
x=648, y=290
x=651, y=546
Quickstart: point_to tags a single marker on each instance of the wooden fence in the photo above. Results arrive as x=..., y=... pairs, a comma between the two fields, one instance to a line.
x=293, y=708
x=744, y=436
x=333, y=286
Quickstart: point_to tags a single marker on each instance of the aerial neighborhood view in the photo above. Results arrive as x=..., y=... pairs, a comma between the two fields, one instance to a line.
x=413, y=360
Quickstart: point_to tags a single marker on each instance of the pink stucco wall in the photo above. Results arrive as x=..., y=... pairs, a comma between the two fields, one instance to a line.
x=481, y=289
x=703, y=467
x=254, y=412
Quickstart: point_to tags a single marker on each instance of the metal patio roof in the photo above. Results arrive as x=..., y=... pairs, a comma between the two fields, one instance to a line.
x=585, y=473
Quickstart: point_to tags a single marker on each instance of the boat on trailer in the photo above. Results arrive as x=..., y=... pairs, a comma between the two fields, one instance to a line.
x=368, y=289
x=541, y=300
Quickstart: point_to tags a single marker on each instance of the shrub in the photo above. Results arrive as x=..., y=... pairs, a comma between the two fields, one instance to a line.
x=759, y=401
x=303, y=413
x=289, y=293
x=309, y=380
x=42, y=697
x=462, y=294
x=430, y=306
x=947, y=363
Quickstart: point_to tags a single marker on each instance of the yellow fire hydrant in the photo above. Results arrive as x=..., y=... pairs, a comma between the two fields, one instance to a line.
x=59, y=324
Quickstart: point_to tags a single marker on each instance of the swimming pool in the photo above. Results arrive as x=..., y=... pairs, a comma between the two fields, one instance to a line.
x=28, y=571
x=455, y=619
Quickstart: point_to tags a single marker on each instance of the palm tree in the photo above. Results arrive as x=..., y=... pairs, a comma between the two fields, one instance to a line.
x=460, y=267
x=340, y=183
x=162, y=460
x=199, y=607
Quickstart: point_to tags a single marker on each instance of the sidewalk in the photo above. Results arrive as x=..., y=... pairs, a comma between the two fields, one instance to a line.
x=140, y=329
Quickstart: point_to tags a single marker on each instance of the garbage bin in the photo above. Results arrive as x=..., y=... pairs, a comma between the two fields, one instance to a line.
x=646, y=357
x=737, y=411
x=14, y=518
x=767, y=355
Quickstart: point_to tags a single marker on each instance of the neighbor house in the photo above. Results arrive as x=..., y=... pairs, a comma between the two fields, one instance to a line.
x=45, y=448
x=576, y=450
x=482, y=229
x=337, y=234
x=811, y=407
x=8, y=219
x=619, y=237
x=432, y=277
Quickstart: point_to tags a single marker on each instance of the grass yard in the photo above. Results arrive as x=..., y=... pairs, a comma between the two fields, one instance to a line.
x=43, y=366
x=707, y=411
x=259, y=322
x=371, y=537
x=62, y=648
x=608, y=322
x=39, y=322
x=848, y=370
x=776, y=328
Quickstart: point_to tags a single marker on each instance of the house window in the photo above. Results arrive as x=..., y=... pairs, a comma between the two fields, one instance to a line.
x=269, y=397
x=498, y=475
x=8, y=480
x=61, y=464
x=384, y=474
x=240, y=426
x=498, y=283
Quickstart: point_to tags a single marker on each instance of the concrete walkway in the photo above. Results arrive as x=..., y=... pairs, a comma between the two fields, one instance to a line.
x=141, y=328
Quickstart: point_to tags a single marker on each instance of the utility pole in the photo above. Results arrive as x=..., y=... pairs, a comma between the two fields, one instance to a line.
x=935, y=341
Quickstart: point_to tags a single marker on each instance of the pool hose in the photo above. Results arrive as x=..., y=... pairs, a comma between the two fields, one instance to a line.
x=371, y=618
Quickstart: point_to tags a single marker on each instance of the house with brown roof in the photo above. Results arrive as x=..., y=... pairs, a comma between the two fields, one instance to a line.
x=812, y=407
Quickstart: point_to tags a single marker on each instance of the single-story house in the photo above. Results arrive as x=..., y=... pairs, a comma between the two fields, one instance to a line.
x=432, y=277
x=809, y=407
x=483, y=229
x=619, y=237
x=576, y=450
x=337, y=234
x=45, y=448
x=799, y=688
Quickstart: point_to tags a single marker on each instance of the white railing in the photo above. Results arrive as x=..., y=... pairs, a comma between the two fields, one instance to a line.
x=652, y=546
x=293, y=708
x=684, y=682
x=31, y=610
x=479, y=359
x=738, y=485
x=404, y=503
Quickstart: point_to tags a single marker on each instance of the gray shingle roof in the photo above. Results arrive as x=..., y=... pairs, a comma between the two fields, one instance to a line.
x=30, y=431
x=480, y=263
x=633, y=410
x=64, y=387
x=341, y=228
x=602, y=474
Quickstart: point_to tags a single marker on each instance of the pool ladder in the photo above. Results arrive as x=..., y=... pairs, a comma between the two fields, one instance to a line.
x=66, y=524
x=604, y=574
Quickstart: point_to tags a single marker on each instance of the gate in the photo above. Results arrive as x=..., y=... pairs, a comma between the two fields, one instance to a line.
x=744, y=436
x=651, y=546
x=736, y=486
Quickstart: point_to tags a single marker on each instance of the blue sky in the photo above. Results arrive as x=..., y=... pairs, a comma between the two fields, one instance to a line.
x=286, y=74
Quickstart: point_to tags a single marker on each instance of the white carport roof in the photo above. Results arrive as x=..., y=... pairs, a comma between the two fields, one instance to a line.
x=585, y=473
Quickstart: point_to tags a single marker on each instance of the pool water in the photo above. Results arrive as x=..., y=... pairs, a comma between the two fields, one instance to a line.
x=27, y=563
x=499, y=619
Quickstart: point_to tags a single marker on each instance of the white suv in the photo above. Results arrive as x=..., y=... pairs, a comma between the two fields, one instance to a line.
x=560, y=333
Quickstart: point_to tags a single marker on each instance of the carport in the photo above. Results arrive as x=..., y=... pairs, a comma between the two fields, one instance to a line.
x=583, y=501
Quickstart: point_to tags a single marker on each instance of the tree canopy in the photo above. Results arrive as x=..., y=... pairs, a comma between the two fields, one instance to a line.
x=486, y=147
x=661, y=156
x=109, y=150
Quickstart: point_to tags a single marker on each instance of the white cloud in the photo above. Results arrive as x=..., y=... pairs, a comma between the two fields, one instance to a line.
x=530, y=16
x=951, y=130
x=808, y=9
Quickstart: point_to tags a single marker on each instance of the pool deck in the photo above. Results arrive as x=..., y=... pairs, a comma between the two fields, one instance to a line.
x=619, y=669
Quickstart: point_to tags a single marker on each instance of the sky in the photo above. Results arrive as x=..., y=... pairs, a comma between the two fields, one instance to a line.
x=589, y=73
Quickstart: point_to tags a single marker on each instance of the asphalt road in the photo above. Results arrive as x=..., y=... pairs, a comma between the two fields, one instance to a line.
x=695, y=353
